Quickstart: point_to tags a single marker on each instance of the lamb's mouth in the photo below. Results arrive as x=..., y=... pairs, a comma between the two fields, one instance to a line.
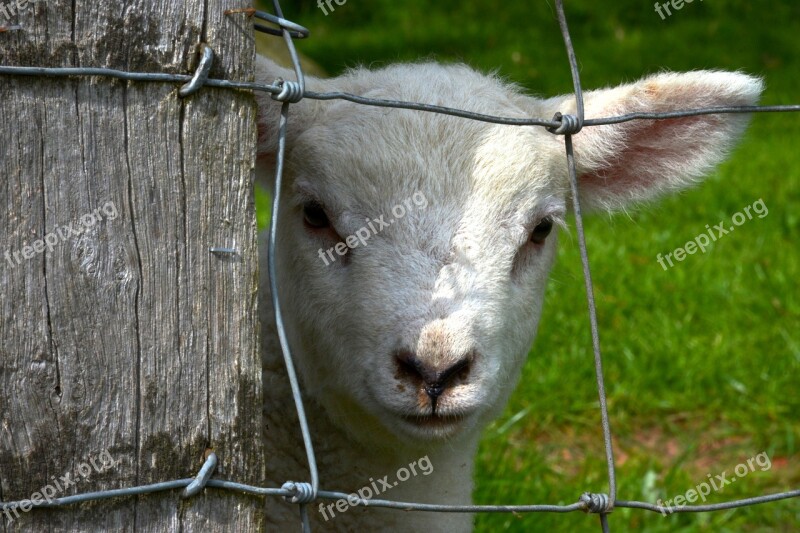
x=436, y=421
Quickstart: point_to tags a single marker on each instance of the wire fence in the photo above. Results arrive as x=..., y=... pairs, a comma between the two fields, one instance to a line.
x=289, y=92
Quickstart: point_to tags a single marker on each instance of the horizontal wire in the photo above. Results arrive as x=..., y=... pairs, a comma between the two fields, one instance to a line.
x=391, y=504
x=379, y=102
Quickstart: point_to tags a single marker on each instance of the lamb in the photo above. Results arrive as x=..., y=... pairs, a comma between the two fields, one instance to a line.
x=409, y=343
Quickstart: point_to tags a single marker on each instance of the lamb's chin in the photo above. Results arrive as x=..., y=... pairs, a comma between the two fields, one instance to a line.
x=427, y=428
x=433, y=427
x=455, y=417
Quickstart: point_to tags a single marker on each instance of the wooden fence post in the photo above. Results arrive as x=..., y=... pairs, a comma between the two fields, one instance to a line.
x=122, y=336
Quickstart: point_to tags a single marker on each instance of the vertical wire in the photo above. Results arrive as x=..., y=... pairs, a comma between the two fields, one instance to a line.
x=273, y=280
x=587, y=275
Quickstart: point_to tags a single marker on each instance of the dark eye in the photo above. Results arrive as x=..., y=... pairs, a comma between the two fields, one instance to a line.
x=314, y=215
x=542, y=230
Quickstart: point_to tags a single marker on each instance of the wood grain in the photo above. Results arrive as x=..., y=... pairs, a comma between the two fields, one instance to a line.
x=130, y=337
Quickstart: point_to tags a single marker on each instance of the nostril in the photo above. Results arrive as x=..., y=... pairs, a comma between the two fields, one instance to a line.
x=460, y=370
x=436, y=379
x=408, y=365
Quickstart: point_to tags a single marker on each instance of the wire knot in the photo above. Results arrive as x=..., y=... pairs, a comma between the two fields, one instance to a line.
x=200, y=73
x=596, y=503
x=202, y=477
x=291, y=91
x=300, y=492
x=568, y=124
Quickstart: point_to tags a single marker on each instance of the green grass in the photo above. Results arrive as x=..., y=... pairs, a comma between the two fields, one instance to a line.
x=702, y=361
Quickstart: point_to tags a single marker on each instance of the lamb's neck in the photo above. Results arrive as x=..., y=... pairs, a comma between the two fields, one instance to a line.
x=347, y=463
x=441, y=473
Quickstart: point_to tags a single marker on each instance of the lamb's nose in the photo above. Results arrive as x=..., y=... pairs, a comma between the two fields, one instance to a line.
x=435, y=379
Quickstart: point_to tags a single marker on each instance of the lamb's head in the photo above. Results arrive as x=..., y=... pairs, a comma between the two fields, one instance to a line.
x=414, y=247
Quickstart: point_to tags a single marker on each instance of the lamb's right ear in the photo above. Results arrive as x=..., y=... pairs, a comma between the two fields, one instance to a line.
x=301, y=115
x=619, y=164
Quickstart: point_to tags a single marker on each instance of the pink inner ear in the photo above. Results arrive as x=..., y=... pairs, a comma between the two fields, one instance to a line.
x=652, y=152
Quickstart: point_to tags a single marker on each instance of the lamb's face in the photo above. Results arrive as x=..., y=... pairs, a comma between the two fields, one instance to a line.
x=421, y=246
x=414, y=247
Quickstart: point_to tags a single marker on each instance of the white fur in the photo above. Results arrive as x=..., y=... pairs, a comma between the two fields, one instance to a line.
x=454, y=278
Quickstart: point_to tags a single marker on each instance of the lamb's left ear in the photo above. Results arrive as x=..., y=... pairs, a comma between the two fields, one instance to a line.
x=302, y=115
x=641, y=159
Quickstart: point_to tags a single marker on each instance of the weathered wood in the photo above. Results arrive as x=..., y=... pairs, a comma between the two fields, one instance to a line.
x=131, y=337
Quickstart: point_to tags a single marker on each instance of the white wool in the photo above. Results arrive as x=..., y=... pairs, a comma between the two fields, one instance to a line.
x=454, y=278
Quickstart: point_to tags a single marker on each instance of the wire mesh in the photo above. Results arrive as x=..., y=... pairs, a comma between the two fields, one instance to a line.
x=288, y=92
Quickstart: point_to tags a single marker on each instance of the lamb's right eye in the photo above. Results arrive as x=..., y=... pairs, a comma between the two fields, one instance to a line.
x=542, y=230
x=314, y=215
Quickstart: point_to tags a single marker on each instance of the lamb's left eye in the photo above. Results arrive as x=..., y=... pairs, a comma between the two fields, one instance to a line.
x=314, y=215
x=542, y=230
